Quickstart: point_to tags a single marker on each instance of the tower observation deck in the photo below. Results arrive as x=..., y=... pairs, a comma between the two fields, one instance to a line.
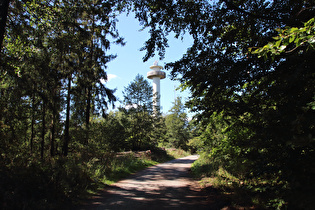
x=156, y=75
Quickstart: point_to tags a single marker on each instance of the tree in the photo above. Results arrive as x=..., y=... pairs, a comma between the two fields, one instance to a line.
x=290, y=39
x=49, y=62
x=138, y=110
x=108, y=133
x=176, y=122
x=53, y=54
x=95, y=23
x=138, y=94
x=265, y=99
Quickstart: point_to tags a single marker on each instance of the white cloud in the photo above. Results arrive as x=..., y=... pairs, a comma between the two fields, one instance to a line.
x=109, y=77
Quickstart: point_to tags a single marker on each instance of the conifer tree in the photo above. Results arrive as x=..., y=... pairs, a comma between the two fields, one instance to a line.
x=138, y=109
x=177, y=125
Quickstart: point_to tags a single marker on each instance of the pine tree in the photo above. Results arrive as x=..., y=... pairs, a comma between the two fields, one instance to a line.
x=138, y=110
x=177, y=125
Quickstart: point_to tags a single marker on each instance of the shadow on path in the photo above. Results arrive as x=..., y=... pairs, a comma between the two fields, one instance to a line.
x=164, y=186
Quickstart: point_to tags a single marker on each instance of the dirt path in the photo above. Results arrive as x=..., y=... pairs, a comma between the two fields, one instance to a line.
x=164, y=186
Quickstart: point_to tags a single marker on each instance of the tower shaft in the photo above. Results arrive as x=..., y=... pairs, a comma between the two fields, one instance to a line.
x=156, y=92
x=156, y=75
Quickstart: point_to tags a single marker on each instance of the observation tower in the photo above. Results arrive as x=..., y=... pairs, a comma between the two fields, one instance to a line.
x=156, y=75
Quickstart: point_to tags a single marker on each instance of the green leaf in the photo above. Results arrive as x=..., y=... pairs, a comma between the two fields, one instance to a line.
x=292, y=30
x=292, y=38
x=278, y=43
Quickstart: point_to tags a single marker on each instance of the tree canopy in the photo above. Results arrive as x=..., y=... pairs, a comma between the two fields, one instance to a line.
x=54, y=56
x=261, y=104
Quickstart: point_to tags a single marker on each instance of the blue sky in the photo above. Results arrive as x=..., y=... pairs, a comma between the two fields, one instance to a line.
x=123, y=70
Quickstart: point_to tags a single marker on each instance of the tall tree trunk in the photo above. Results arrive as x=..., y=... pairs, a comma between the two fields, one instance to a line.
x=89, y=89
x=53, y=123
x=43, y=131
x=33, y=121
x=67, y=125
x=4, y=7
x=52, y=133
x=87, y=114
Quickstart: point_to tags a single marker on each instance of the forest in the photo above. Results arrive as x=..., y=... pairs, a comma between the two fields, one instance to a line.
x=250, y=71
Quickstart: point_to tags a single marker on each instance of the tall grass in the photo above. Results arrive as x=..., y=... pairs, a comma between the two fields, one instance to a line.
x=177, y=153
x=236, y=192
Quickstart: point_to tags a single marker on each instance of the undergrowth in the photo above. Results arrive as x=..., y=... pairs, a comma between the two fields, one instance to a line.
x=177, y=153
x=237, y=192
x=61, y=182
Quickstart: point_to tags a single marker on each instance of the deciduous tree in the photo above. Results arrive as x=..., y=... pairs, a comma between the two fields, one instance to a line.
x=270, y=130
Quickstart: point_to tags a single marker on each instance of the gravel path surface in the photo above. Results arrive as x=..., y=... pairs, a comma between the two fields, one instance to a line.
x=164, y=186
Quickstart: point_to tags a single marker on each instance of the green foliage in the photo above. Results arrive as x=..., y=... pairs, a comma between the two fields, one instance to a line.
x=177, y=130
x=52, y=70
x=194, y=144
x=137, y=117
x=61, y=182
x=138, y=94
x=42, y=57
x=247, y=193
x=256, y=115
x=46, y=184
x=290, y=39
x=110, y=132
x=177, y=153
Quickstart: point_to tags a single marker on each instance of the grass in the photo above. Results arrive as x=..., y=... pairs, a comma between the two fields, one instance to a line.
x=236, y=192
x=125, y=165
x=177, y=153
x=223, y=187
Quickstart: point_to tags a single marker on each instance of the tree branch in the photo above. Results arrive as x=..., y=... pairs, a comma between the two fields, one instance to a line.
x=232, y=6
